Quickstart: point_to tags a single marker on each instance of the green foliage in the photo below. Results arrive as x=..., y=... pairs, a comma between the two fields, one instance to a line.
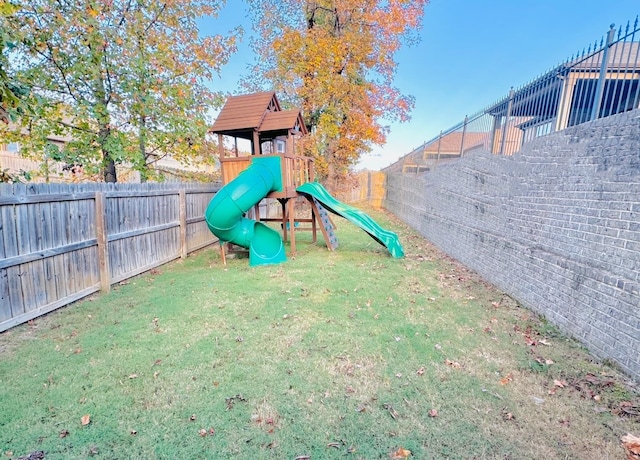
x=123, y=81
x=11, y=94
x=12, y=178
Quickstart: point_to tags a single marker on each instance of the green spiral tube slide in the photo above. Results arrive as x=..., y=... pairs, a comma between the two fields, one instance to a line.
x=225, y=213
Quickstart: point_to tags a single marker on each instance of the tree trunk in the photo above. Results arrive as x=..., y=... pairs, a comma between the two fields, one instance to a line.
x=108, y=165
x=109, y=168
x=332, y=176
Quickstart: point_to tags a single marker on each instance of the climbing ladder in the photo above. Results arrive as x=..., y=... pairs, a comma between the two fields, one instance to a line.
x=327, y=227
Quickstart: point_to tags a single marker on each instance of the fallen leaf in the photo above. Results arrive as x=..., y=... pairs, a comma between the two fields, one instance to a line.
x=9, y=453
x=420, y=371
x=36, y=455
x=133, y=376
x=400, y=453
x=631, y=444
x=507, y=379
x=85, y=420
x=399, y=374
x=506, y=415
x=627, y=408
x=433, y=413
x=560, y=383
x=454, y=364
x=438, y=346
x=64, y=433
x=594, y=380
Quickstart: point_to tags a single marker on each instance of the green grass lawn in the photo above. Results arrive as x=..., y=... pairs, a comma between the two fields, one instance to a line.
x=345, y=354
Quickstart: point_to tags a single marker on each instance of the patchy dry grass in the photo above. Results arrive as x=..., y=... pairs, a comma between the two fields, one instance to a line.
x=350, y=354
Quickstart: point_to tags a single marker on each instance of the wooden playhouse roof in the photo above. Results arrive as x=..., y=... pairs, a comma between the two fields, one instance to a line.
x=283, y=121
x=242, y=115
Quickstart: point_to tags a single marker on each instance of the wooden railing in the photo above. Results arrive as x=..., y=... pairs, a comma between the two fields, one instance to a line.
x=296, y=170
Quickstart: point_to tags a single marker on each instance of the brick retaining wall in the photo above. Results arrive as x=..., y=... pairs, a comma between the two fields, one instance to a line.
x=557, y=226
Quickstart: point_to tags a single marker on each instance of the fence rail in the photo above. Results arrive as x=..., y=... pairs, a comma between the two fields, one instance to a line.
x=602, y=80
x=59, y=242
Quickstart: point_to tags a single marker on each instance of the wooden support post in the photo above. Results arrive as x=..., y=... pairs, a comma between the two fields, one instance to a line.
x=292, y=214
x=103, y=245
x=183, y=223
x=223, y=254
x=283, y=203
x=314, y=228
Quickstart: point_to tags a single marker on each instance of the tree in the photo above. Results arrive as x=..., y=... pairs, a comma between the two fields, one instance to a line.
x=123, y=79
x=11, y=94
x=335, y=59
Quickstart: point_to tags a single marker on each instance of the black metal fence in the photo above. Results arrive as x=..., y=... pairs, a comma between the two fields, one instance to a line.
x=602, y=80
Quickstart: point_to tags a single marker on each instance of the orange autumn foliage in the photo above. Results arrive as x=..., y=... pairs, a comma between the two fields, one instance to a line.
x=335, y=59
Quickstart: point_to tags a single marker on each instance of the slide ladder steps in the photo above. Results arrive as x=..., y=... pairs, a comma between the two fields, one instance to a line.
x=326, y=226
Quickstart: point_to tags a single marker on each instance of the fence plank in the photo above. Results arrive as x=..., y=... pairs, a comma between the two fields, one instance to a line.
x=58, y=235
x=183, y=224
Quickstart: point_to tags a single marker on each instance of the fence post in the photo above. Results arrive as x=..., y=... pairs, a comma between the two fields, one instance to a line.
x=103, y=244
x=597, y=100
x=438, y=156
x=183, y=223
x=506, y=122
x=464, y=130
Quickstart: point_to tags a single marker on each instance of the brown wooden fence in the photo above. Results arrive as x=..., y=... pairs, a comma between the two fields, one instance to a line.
x=61, y=242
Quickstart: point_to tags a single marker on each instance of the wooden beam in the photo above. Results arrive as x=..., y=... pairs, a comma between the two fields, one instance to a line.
x=256, y=143
x=46, y=253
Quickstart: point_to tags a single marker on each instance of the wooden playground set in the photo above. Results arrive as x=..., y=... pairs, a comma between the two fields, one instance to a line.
x=274, y=169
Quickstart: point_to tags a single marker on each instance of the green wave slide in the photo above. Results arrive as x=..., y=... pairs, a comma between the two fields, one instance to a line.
x=386, y=238
x=225, y=213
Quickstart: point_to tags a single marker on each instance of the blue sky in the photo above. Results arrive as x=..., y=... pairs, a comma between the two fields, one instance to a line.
x=471, y=52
